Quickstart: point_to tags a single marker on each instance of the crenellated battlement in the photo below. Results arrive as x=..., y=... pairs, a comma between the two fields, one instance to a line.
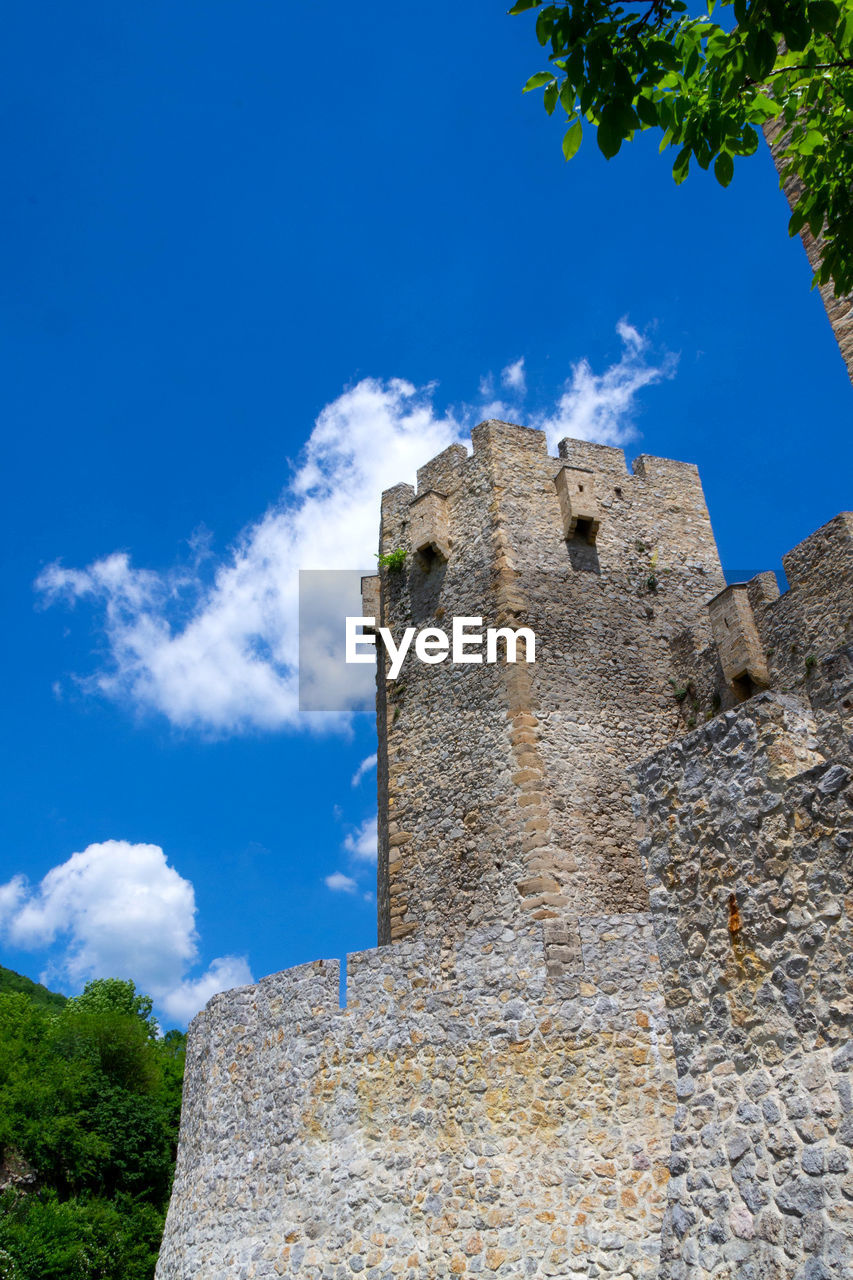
x=767, y=639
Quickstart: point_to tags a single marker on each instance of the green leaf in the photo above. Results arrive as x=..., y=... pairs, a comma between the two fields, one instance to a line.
x=550, y=97
x=814, y=138
x=703, y=153
x=796, y=31
x=521, y=5
x=574, y=66
x=823, y=15
x=796, y=222
x=545, y=26
x=762, y=53
x=766, y=107
x=750, y=141
x=536, y=81
x=662, y=52
x=648, y=112
x=567, y=98
x=572, y=139
x=724, y=168
x=609, y=139
x=681, y=166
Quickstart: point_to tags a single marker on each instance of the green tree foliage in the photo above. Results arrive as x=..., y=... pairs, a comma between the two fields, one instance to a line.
x=117, y=996
x=43, y=1237
x=11, y=981
x=708, y=87
x=89, y=1108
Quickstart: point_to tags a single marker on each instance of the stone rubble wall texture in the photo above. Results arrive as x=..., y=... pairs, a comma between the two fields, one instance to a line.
x=839, y=310
x=749, y=848
x=462, y=1115
x=610, y=1037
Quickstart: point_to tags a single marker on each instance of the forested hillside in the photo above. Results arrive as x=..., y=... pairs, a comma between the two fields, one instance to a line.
x=90, y=1098
x=11, y=981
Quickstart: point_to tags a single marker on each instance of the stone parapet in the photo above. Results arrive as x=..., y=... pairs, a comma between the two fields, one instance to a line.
x=776, y=640
x=462, y=1114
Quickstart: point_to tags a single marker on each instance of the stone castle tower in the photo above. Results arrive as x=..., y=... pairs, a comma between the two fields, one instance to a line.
x=503, y=791
x=607, y=1030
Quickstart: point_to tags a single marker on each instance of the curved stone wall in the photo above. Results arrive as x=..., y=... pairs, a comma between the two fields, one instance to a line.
x=462, y=1115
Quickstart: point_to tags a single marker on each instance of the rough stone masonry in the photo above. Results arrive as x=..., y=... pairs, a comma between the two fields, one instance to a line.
x=607, y=1030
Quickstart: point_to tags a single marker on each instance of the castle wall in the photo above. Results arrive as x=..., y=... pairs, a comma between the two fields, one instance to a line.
x=748, y=840
x=503, y=790
x=792, y=641
x=499, y=1094
x=839, y=310
x=464, y=1114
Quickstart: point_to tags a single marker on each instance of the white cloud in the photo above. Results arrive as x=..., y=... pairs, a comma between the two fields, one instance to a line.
x=602, y=407
x=339, y=883
x=213, y=646
x=367, y=764
x=512, y=377
x=184, y=1000
x=232, y=664
x=363, y=842
x=361, y=848
x=118, y=910
x=11, y=897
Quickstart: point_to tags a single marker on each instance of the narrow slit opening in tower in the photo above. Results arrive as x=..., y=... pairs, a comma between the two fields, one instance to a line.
x=582, y=531
x=428, y=558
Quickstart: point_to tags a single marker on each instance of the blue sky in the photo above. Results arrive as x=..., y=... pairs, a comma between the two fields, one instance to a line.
x=229, y=230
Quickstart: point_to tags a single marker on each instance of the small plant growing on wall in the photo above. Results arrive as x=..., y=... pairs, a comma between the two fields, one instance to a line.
x=393, y=561
x=678, y=693
x=687, y=693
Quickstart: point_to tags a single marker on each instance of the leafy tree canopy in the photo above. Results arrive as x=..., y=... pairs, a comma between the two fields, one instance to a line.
x=117, y=995
x=709, y=86
x=90, y=1100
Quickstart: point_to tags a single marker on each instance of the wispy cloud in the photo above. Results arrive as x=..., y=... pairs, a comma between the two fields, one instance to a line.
x=603, y=407
x=119, y=909
x=362, y=842
x=339, y=883
x=360, y=845
x=212, y=647
x=512, y=377
x=366, y=766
